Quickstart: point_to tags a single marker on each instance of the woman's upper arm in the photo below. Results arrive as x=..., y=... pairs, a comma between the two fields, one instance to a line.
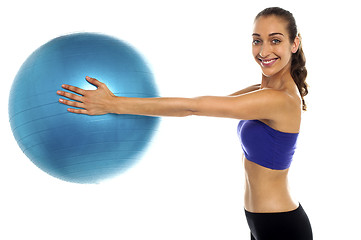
x=260, y=104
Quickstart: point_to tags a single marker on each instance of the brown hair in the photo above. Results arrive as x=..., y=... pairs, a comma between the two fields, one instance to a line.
x=298, y=68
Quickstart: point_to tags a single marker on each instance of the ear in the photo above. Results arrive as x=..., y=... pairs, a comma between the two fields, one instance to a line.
x=296, y=44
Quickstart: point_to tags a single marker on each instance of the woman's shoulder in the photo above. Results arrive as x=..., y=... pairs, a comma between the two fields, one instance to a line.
x=288, y=117
x=287, y=96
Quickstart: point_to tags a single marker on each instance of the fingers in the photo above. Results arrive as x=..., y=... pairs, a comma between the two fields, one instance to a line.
x=94, y=81
x=73, y=89
x=75, y=99
x=78, y=111
x=70, y=95
x=72, y=103
x=79, y=105
x=79, y=90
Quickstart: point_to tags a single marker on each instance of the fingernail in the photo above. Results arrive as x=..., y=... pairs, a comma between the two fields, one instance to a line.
x=61, y=100
x=87, y=78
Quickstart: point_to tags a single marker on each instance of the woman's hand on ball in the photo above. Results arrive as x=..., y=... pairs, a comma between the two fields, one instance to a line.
x=90, y=102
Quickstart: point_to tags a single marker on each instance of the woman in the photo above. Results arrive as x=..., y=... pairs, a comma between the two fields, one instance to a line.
x=270, y=115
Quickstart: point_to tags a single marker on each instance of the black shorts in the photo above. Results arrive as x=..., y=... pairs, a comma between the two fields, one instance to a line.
x=293, y=225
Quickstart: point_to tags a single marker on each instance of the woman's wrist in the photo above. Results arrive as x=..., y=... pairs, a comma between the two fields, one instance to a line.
x=115, y=105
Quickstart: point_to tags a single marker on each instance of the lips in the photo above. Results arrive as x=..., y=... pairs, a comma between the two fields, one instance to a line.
x=267, y=62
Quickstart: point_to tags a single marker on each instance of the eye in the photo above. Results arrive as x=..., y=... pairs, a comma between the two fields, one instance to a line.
x=276, y=41
x=256, y=42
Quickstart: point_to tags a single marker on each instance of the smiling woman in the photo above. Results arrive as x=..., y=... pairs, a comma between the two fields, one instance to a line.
x=269, y=47
x=270, y=115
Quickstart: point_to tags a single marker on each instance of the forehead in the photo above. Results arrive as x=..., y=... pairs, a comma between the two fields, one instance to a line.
x=266, y=25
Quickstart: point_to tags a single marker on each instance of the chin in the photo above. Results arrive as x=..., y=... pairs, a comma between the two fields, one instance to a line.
x=269, y=72
x=272, y=71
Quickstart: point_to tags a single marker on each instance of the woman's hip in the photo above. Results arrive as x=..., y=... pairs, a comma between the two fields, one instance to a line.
x=293, y=225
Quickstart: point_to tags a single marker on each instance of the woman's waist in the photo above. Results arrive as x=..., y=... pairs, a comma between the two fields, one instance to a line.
x=267, y=188
x=268, y=197
x=271, y=206
x=271, y=201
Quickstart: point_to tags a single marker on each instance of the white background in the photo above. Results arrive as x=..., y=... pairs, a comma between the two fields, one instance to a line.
x=189, y=185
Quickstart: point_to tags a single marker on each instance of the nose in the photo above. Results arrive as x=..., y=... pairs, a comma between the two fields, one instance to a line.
x=265, y=50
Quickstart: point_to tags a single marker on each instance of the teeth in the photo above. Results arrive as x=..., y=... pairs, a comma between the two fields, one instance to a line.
x=269, y=61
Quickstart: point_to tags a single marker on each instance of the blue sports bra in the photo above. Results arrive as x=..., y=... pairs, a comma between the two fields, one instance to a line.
x=266, y=146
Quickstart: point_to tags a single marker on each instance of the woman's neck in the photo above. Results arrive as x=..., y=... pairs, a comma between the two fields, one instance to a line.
x=277, y=81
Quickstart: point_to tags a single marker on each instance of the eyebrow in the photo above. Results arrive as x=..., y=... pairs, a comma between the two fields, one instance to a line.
x=270, y=35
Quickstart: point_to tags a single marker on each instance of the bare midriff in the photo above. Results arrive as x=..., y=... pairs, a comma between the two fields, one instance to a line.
x=267, y=190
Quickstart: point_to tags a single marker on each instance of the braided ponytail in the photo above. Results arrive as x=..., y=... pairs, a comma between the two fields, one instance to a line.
x=299, y=73
x=298, y=68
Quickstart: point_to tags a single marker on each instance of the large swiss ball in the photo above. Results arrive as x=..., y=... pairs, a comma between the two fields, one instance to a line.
x=80, y=148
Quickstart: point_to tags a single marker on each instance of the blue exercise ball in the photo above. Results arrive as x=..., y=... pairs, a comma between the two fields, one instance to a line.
x=81, y=148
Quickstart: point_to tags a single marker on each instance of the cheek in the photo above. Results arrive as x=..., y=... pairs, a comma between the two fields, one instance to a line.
x=285, y=54
x=286, y=51
x=255, y=51
x=288, y=56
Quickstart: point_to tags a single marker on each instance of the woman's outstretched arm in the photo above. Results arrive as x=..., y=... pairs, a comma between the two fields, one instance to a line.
x=261, y=104
x=102, y=101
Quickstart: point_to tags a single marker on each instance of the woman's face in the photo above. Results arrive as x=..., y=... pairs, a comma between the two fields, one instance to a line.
x=271, y=47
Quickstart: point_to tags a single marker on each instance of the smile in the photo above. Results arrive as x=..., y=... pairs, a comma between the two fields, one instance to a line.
x=267, y=62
